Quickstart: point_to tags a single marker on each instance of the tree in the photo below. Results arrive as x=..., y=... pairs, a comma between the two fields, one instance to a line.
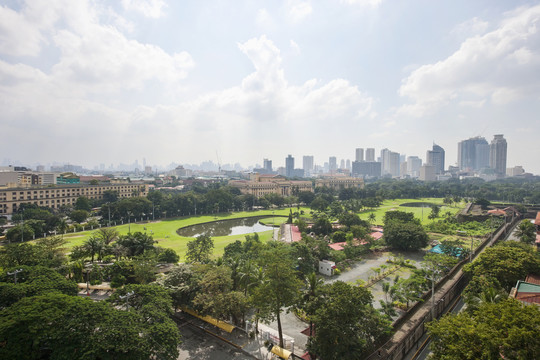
x=94, y=246
x=217, y=298
x=83, y=203
x=346, y=324
x=372, y=218
x=79, y=216
x=526, y=232
x=310, y=299
x=503, y=330
x=280, y=286
x=137, y=243
x=322, y=226
x=405, y=235
x=108, y=235
x=183, y=285
x=14, y=234
x=168, y=256
x=435, y=210
x=200, y=250
x=50, y=326
x=506, y=262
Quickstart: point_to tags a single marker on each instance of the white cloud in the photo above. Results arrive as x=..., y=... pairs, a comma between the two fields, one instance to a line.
x=364, y=3
x=297, y=11
x=149, y=8
x=294, y=46
x=474, y=26
x=496, y=66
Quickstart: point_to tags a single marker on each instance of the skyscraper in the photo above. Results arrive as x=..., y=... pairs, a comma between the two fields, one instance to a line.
x=497, y=157
x=370, y=154
x=332, y=164
x=390, y=162
x=468, y=151
x=413, y=166
x=307, y=164
x=435, y=157
x=289, y=166
x=359, y=154
x=267, y=165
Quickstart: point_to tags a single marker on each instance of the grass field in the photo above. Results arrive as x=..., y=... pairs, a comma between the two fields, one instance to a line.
x=164, y=231
x=420, y=213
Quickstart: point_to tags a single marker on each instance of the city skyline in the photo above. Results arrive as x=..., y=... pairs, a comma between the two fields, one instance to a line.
x=92, y=82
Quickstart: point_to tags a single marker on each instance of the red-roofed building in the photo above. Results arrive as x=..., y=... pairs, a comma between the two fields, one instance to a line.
x=537, y=221
x=497, y=212
x=337, y=246
x=376, y=235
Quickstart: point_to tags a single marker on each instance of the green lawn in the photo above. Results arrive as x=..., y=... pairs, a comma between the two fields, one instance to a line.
x=164, y=231
x=420, y=213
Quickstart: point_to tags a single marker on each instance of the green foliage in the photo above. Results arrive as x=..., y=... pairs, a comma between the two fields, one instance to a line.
x=322, y=226
x=200, y=250
x=405, y=235
x=14, y=234
x=526, y=232
x=168, y=256
x=79, y=216
x=506, y=262
x=346, y=324
x=472, y=228
x=136, y=243
x=507, y=330
x=33, y=280
x=83, y=203
x=280, y=286
x=50, y=326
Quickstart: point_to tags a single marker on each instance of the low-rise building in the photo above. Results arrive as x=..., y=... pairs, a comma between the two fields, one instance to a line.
x=343, y=182
x=56, y=196
x=260, y=185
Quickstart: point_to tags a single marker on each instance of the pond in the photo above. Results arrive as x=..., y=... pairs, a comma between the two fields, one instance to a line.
x=417, y=204
x=225, y=227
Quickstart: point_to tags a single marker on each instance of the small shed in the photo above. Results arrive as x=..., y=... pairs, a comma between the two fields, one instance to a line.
x=327, y=267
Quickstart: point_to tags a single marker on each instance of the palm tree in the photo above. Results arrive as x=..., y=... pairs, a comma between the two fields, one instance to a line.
x=310, y=296
x=108, y=235
x=62, y=226
x=94, y=246
x=488, y=296
x=372, y=218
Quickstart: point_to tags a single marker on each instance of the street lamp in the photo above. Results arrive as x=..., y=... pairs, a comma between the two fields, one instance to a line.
x=14, y=273
x=127, y=296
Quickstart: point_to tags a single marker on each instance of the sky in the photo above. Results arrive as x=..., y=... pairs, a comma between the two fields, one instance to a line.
x=89, y=82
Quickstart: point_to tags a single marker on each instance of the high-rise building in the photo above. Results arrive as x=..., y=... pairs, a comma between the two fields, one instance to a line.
x=370, y=154
x=413, y=166
x=348, y=164
x=482, y=156
x=267, y=165
x=370, y=169
x=390, y=162
x=359, y=154
x=467, y=153
x=427, y=173
x=289, y=166
x=332, y=164
x=497, y=157
x=307, y=164
x=342, y=164
x=435, y=157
